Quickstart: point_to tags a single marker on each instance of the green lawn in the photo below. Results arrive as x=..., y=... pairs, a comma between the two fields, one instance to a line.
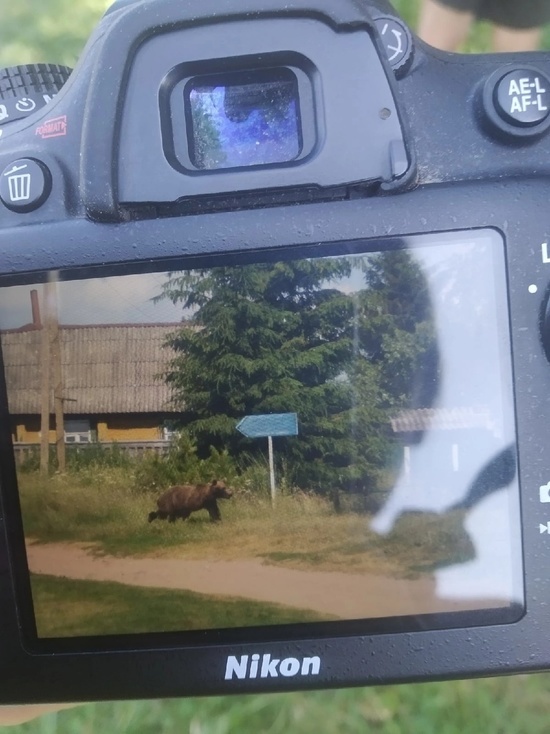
x=104, y=608
x=517, y=705
x=301, y=532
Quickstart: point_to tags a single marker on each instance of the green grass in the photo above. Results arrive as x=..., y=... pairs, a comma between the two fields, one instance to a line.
x=301, y=532
x=516, y=705
x=105, y=608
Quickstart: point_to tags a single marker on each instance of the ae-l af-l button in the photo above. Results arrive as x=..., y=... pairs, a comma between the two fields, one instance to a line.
x=25, y=185
x=522, y=97
x=516, y=103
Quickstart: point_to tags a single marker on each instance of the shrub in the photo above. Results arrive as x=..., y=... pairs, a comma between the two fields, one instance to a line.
x=254, y=477
x=97, y=455
x=78, y=458
x=181, y=465
x=31, y=462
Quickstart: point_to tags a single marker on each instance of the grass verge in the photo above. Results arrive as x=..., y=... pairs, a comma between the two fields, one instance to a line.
x=68, y=608
x=302, y=531
x=512, y=705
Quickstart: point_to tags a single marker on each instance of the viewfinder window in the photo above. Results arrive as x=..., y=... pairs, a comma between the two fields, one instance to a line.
x=244, y=119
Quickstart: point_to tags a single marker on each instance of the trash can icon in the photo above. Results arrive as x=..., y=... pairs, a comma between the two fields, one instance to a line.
x=19, y=184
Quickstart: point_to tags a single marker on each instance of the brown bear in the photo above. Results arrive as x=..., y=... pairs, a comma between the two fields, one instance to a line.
x=182, y=500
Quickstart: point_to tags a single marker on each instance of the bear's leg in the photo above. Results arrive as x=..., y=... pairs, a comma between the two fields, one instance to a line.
x=213, y=511
x=178, y=513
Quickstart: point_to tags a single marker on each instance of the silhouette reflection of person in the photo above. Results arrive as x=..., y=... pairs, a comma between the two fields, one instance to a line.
x=459, y=451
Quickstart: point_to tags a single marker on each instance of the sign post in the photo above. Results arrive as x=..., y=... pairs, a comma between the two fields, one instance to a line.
x=268, y=426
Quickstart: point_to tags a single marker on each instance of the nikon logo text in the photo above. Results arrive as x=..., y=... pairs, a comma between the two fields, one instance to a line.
x=264, y=666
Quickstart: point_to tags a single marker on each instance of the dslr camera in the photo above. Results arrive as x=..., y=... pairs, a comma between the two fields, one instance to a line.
x=275, y=335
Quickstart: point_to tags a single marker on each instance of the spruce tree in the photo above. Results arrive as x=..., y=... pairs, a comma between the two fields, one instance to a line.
x=339, y=341
x=265, y=338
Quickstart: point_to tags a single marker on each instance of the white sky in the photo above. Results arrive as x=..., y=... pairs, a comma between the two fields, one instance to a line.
x=125, y=299
x=129, y=298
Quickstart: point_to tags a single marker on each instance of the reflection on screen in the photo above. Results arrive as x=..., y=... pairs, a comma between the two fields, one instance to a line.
x=317, y=439
x=244, y=120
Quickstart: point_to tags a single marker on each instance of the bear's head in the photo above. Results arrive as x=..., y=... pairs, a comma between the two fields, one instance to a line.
x=221, y=492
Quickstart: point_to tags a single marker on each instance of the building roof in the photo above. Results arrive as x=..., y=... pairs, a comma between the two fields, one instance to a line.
x=106, y=369
x=442, y=419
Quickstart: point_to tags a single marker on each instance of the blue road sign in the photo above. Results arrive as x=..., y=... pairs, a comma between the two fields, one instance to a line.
x=269, y=424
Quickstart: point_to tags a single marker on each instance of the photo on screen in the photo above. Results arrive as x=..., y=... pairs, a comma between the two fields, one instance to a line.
x=326, y=438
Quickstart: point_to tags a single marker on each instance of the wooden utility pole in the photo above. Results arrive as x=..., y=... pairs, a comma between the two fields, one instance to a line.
x=52, y=377
x=45, y=388
x=57, y=375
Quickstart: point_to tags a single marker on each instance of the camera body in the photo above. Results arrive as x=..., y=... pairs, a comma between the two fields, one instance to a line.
x=393, y=182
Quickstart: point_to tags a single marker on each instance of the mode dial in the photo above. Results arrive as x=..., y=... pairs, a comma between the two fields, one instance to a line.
x=25, y=89
x=397, y=42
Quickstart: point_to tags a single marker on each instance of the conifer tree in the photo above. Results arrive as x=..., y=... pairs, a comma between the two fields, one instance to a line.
x=288, y=337
x=265, y=338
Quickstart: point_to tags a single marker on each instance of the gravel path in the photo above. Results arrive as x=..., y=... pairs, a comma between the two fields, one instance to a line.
x=344, y=595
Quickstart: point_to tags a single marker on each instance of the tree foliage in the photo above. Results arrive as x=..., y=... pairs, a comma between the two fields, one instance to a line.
x=396, y=364
x=207, y=148
x=266, y=339
x=157, y=472
x=397, y=330
x=32, y=31
x=54, y=32
x=288, y=337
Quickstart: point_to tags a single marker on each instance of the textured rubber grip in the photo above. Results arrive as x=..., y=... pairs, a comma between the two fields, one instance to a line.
x=23, y=81
x=25, y=89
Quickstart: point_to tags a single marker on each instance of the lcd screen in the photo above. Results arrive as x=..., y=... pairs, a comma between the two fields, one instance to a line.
x=338, y=425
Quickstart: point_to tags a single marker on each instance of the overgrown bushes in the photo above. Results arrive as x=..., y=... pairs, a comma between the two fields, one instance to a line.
x=181, y=465
x=79, y=457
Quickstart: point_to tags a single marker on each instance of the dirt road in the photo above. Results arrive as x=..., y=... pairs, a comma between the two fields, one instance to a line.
x=344, y=595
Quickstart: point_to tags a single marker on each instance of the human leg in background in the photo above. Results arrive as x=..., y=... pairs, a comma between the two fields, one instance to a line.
x=443, y=27
x=445, y=24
